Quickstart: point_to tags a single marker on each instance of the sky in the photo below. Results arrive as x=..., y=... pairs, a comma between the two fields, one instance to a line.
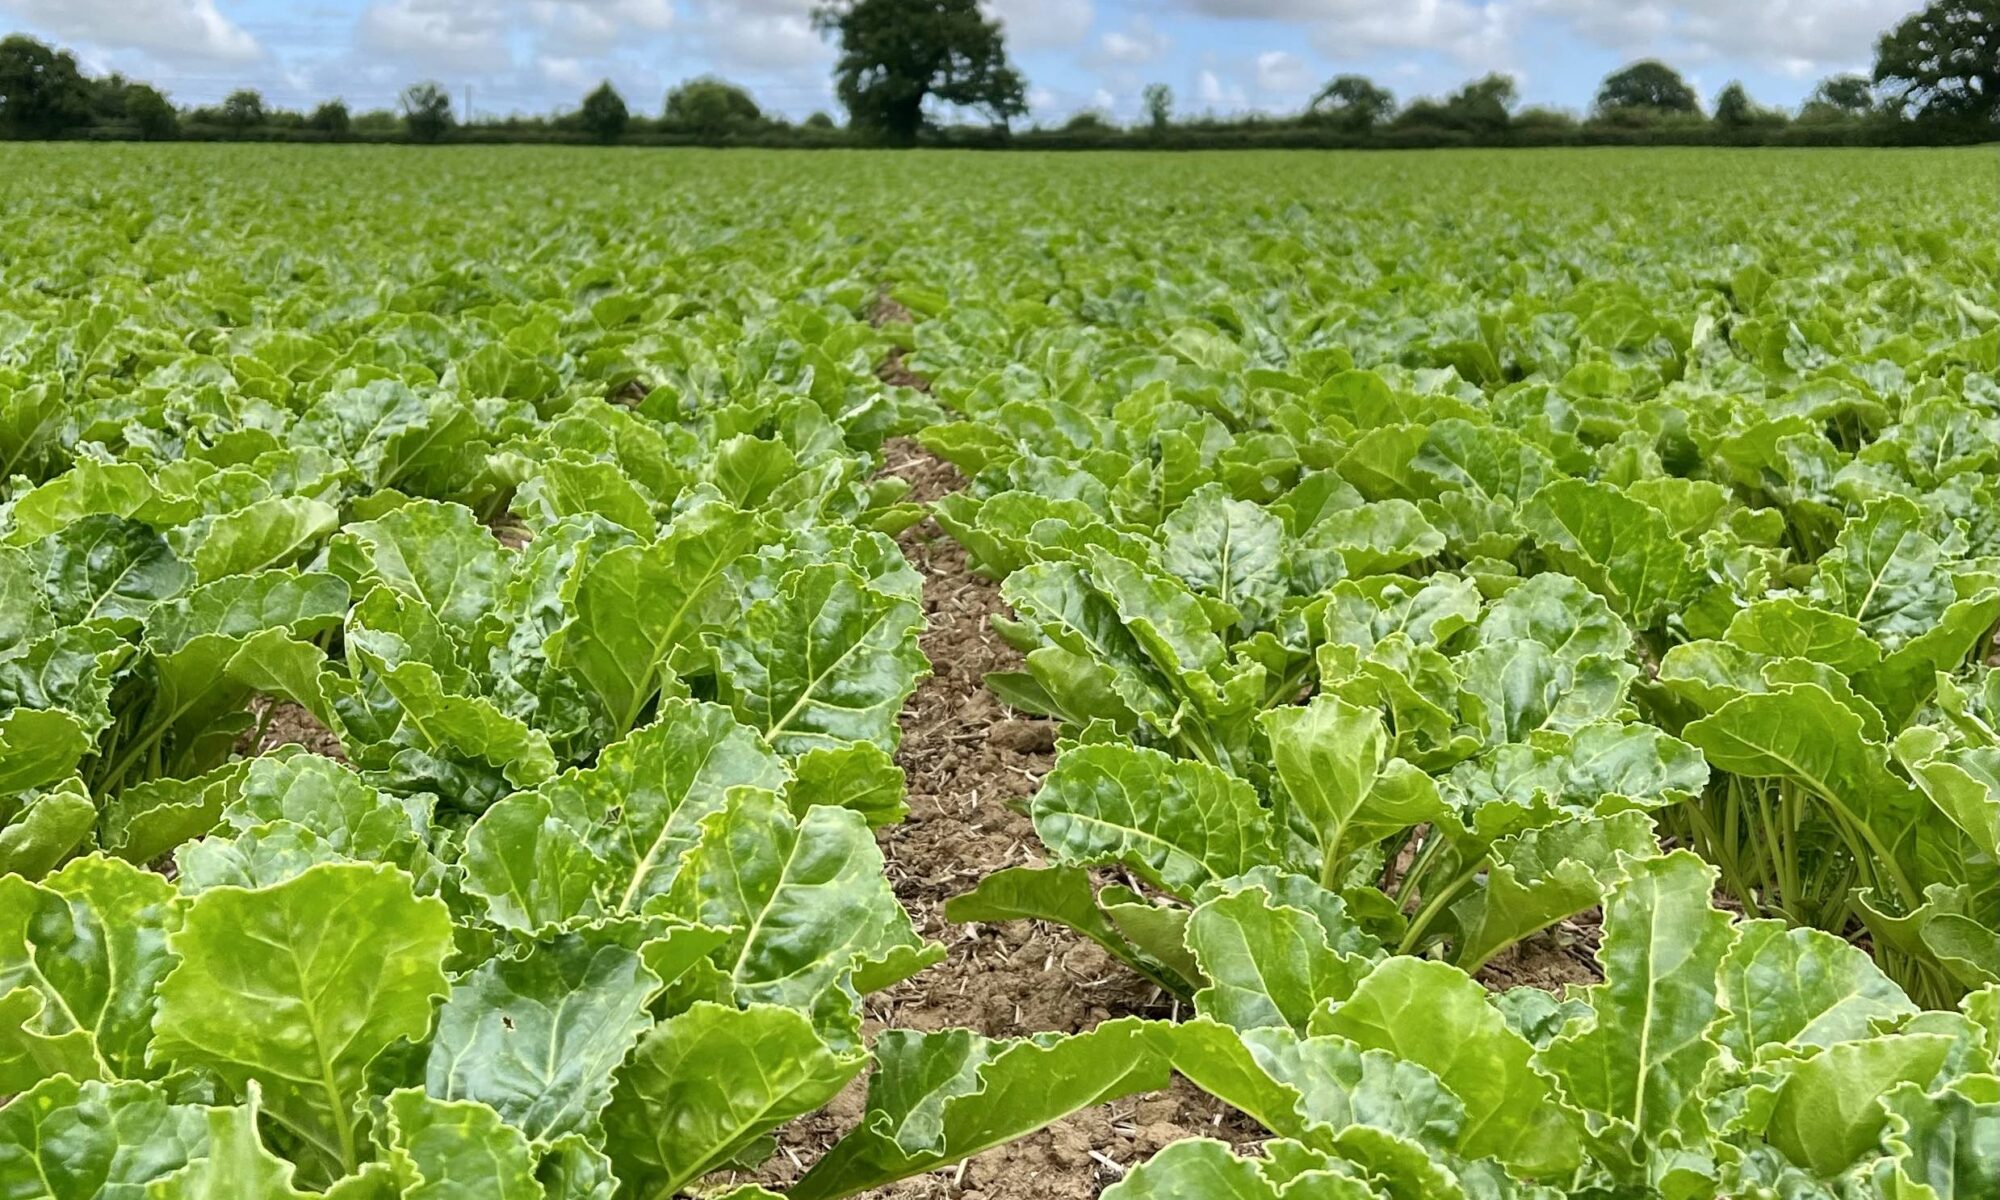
x=1218, y=56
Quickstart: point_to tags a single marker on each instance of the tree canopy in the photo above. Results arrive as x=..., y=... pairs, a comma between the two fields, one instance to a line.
x=1352, y=102
x=895, y=54
x=1734, y=107
x=711, y=107
x=1945, y=60
x=1840, y=95
x=604, y=115
x=330, y=117
x=1647, y=83
x=243, y=108
x=427, y=111
x=41, y=90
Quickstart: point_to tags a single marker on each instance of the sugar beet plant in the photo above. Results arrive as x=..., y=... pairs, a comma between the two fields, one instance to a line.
x=1415, y=614
x=1415, y=556
x=583, y=570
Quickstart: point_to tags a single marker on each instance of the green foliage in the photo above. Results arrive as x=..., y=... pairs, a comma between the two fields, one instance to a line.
x=895, y=54
x=603, y=113
x=426, y=109
x=1944, y=61
x=1407, y=580
x=1352, y=102
x=1647, y=84
x=41, y=90
x=330, y=117
x=712, y=108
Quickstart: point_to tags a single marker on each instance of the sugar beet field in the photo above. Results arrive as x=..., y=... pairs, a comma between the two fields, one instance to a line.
x=585, y=675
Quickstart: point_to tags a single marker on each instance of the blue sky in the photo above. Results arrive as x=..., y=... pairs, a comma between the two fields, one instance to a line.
x=1224, y=56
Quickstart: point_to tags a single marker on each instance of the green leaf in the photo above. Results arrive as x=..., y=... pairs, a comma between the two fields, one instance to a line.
x=1802, y=733
x=1065, y=896
x=456, y=1150
x=1939, y=1145
x=938, y=1098
x=605, y=839
x=1435, y=1016
x=701, y=1088
x=1362, y=612
x=1266, y=963
x=1885, y=572
x=106, y=568
x=636, y=606
x=565, y=487
x=1542, y=875
x=354, y=819
x=1341, y=1085
x=1829, y=1114
x=298, y=987
x=1176, y=823
x=270, y=533
x=80, y=955
x=1232, y=550
x=1105, y=672
x=862, y=776
x=1789, y=627
x=151, y=818
x=806, y=901
x=826, y=661
x=120, y=489
x=1374, y=539
x=437, y=553
x=1639, y=1060
x=1621, y=547
x=1333, y=759
x=1964, y=784
x=1513, y=689
x=47, y=828
x=1801, y=987
x=63, y=1139
x=235, y=1164
x=537, y=1036
x=1201, y=1168
x=1560, y=613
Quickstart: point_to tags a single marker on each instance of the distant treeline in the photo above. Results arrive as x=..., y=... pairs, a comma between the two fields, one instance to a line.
x=1935, y=82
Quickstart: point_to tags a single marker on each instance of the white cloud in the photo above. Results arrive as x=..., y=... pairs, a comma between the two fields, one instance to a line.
x=1475, y=34
x=168, y=30
x=1213, y=93
x=1281, y=73
x=1134, y=46
x=1043, y=24
x=438, y=35
x=1797, y=37
x=594, y=26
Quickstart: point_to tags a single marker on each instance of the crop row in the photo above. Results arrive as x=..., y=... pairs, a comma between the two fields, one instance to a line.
x=1397, y=596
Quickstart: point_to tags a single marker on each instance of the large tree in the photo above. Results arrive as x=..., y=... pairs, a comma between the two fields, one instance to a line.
x=243, y=109
x=1484, y=105
x=896, y=53
x=711, y=108
x=427, y=111
x=1839, y=96
x=1352, y=102
x=1945, y=60
x=1646, y=84
x=41, y=90
x=604, y=114
x=1159, y=100
x=331, y=117
x=146, y=108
